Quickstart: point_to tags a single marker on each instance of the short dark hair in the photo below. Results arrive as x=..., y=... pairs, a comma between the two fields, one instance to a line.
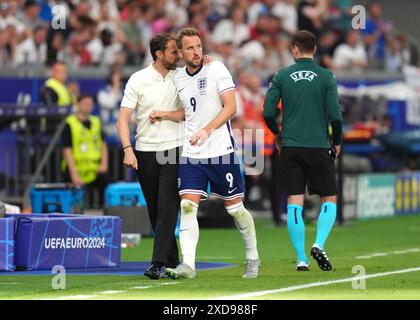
x=159, y=42
x=84, y=96
x=304, y=40
x=185, y=32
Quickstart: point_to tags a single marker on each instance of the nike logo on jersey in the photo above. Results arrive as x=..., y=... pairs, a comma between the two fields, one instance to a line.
x=303, y=75
x=181, y=89
x=230, y=191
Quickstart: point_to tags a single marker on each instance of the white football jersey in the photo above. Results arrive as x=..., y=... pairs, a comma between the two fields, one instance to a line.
x=200, y=96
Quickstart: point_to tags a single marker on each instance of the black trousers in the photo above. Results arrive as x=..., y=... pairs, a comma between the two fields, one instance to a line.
x=159, y=185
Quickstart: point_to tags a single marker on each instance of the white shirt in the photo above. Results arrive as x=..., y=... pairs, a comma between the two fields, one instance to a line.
x=200, y=95
x=227, y=31
x=345, y=54
x=28, y=53
x=287, y=12
x=148, y=90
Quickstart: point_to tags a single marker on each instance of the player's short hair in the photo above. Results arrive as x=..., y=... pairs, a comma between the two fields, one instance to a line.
x=185, y=32
x=159, y=42
x=304, y=40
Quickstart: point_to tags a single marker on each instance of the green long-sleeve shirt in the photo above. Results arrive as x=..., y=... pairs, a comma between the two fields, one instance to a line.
x=310, y=103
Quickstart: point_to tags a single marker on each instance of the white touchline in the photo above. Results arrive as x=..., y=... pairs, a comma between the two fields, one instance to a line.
x=77, y=297
x=112, y=291
x=140, y=287
x=383, y=254
x=314, y=284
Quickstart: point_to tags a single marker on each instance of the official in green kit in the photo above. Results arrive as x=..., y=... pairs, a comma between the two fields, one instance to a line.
x=310, y=104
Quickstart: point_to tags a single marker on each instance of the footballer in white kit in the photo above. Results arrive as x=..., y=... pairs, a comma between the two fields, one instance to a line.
x=214, y=159
x=206, y=93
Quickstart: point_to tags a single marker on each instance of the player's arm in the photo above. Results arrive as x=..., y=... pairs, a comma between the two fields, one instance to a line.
x=228, y=99
x=334, y=113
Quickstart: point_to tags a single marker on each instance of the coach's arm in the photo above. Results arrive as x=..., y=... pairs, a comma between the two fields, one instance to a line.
x=124, y=116
x=228, y=99
x=176, y=116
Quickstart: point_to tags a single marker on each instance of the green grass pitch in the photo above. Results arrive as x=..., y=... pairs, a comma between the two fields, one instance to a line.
x=386, y=245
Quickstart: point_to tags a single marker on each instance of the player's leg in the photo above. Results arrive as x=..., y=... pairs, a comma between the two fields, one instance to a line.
x=226, y=183
x=322, y=181
x=244, y=222
x=192, y=186
x=293, y=183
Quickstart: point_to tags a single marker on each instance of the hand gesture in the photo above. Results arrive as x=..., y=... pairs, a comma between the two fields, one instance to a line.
x=199, y=137
x=156, y=115
x=130, y=160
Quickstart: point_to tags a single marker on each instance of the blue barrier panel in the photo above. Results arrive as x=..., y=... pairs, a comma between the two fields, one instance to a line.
x=7, y=244
x=71, y=241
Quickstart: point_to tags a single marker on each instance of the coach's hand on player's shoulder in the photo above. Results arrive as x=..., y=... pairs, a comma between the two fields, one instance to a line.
x=200, y=137
x=208, y=59
x=130, y=159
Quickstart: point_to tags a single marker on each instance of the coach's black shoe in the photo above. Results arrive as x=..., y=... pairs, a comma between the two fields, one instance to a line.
x=320, y=256
x=153, y=272
x=302, y=266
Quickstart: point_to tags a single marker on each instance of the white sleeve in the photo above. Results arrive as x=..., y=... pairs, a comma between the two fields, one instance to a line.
x=224, y=81
x=130, y=99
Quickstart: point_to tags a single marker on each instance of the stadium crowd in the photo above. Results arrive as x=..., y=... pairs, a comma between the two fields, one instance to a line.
x=243, y=33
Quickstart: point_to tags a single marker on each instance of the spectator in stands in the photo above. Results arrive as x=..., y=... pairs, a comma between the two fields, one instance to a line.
x=325, y=50
x=232, y=28
x=311, y=14
x=134, y=46
x=109, y=99
x=33, y=50
x=7, y=46
x=345, y=7
x=287, y=12
x=104, y=49
x=377, y=36
x=8, y=19
x=178, y=9
x=55, y=47
x=350, y=55
x=30, y=15
x=55, y=92
x=85, y=152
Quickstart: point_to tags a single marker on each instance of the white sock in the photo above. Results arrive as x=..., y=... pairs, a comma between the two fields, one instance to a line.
x=188, y=232
x=245, y=224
